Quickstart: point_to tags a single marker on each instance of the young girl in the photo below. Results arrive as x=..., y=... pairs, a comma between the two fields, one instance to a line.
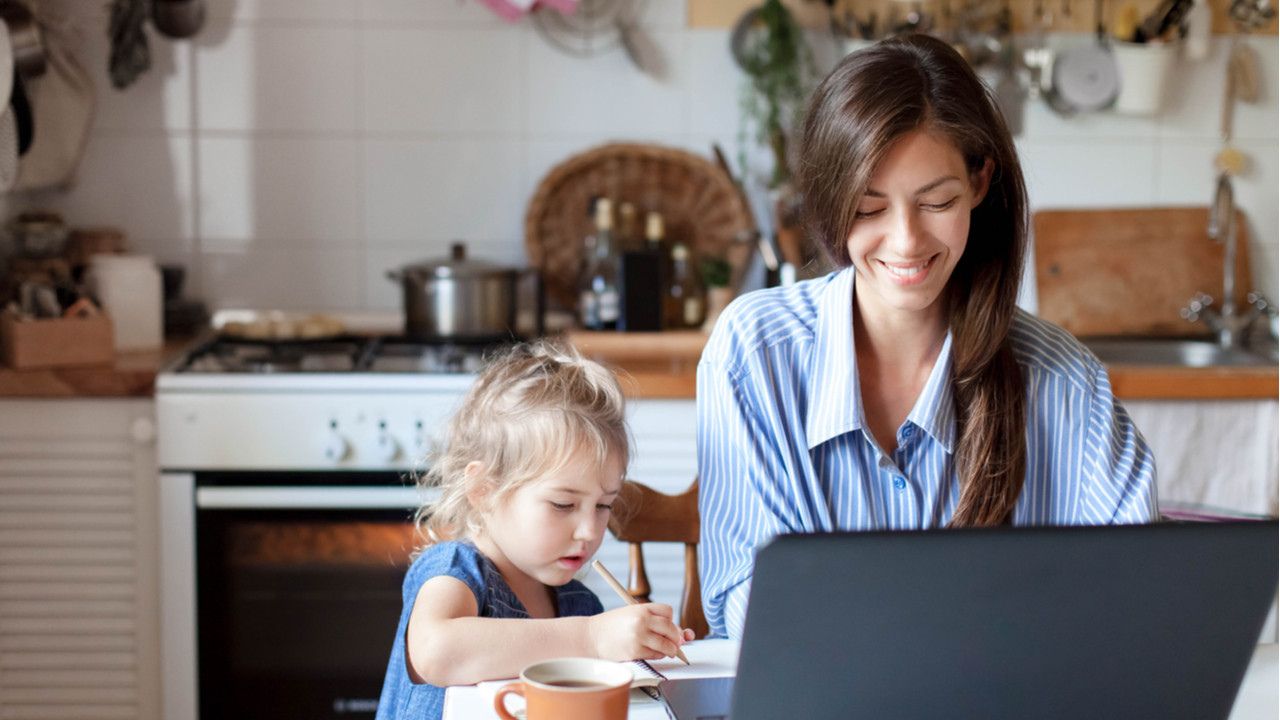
x=905, y=390
x=529, y=468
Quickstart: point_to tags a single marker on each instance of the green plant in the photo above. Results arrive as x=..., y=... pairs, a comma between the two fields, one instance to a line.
x=715, y=271
x=771, y=49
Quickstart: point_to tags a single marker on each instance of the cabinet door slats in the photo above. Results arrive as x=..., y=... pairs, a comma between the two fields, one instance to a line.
x=70, y=626
x=72, y=555
x=78, y=604
x=71, y=573
x=62, y=643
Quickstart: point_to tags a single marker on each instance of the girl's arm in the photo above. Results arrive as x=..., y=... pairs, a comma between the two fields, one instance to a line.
x=448, y=644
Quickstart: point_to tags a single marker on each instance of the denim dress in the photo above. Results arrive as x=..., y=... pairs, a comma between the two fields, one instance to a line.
x=402, y=699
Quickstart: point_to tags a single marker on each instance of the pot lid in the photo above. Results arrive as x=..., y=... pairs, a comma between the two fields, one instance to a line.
x=457, y=265
x=1085, y=77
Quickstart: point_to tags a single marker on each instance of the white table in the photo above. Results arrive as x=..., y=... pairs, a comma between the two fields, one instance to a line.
x=1259, y=697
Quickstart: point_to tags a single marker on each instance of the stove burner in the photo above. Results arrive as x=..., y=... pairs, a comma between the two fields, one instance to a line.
x=342, y=355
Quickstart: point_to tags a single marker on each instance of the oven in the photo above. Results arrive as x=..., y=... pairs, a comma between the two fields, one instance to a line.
x=296, y=583
x=286, y=498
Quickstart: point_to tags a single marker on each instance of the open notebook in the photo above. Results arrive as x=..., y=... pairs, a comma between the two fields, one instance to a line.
x=707, y=658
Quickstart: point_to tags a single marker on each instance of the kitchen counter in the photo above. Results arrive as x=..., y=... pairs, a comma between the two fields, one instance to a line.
x=132, y=374
x=663, y=365
x=654, y=365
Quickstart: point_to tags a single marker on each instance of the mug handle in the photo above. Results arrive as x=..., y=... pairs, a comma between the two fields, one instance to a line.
x=499, y=700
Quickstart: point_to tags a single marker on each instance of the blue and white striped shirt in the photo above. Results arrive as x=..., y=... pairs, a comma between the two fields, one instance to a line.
x=783, y=444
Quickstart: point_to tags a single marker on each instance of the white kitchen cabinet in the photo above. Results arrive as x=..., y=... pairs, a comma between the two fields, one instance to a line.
x=78, y=571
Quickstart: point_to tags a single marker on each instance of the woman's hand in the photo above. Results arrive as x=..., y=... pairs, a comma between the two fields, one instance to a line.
x=636, y=632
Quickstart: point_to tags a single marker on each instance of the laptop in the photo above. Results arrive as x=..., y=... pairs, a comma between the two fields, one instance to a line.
x=1132, y=621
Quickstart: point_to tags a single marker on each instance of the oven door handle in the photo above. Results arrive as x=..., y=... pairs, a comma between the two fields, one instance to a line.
x=307, y=498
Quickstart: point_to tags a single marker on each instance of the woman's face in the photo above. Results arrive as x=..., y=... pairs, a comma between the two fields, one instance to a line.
x=912, y=225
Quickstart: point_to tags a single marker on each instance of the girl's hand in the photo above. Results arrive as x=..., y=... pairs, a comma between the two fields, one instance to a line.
x=636, y=632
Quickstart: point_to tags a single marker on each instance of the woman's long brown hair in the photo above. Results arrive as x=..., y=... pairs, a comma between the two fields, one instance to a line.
x=866, y=104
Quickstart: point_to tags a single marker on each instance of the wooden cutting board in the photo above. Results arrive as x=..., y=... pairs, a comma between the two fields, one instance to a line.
x=1130, y=271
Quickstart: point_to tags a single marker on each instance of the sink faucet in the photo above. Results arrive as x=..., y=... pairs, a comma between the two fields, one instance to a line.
x=1230, y=326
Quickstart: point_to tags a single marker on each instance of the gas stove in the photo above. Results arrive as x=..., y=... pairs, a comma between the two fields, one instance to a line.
x=351, y=402
x=383, y=354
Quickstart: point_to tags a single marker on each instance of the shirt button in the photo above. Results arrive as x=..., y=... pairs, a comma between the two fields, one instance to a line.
x=908, y=431
x=899, y=483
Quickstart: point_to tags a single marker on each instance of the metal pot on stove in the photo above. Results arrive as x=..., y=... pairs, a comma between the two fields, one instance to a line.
x=457, y=298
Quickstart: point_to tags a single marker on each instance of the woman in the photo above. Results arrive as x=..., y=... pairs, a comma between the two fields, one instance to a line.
x=906, y=390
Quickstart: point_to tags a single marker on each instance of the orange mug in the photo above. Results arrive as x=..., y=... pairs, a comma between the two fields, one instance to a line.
x=570, y=689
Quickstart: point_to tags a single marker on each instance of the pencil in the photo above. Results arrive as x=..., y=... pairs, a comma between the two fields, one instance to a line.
x=622, y=593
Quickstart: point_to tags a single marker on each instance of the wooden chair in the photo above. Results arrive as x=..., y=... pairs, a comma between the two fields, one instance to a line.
x=642, y=514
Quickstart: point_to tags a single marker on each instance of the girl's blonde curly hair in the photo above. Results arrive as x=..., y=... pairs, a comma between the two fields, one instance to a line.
x=531, y=410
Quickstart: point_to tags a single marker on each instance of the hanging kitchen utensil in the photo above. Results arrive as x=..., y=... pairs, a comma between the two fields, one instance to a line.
x=599, y=26
x=62, y=103
x=130, y=55
x=178, y=18
x=8, y=150
x=25, y=38
x=22, y=117
x=1085, y=77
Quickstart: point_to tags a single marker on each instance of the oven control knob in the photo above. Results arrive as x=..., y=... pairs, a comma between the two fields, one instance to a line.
x=385, y=447
x=336, y=447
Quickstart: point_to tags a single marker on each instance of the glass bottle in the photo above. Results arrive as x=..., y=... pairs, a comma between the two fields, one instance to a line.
x=627, y=238
x=654, y=231
x=601, y=311
x=588, y=315
x=686, y=299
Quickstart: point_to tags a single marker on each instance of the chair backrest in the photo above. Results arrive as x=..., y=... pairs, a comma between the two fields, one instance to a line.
x=642, y=514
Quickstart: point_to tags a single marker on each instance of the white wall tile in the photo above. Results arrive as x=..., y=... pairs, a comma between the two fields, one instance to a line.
x=1260, y=120
x=284, y=9
x=316, y=279
x=1193, y=99
x=715, y=84
x=141, y=185
x=430, y=79
x=451, y=12
x=1187, y=175
x=290, y=191
x=606, y=93
x=1088, y=173
x=470, y=190
x=669, y=14
x=159, y=99
x=278, y=78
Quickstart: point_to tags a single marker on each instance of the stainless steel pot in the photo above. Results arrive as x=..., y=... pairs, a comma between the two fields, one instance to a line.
x=458, y=299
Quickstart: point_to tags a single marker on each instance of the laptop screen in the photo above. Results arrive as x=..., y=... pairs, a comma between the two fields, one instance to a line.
x=1122, y=622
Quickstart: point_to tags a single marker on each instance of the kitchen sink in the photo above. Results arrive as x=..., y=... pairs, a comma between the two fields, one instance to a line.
x=1179, y=353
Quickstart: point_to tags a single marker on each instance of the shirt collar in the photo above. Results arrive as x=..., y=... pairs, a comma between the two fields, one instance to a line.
x=835, y=403
x=835, y=397
x=934, y=411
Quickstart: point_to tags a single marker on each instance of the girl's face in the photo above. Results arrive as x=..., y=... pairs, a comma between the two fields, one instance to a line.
x=912, y=225
x=548, y=528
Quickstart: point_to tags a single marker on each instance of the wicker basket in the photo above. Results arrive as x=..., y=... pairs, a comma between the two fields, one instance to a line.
x=699, y=203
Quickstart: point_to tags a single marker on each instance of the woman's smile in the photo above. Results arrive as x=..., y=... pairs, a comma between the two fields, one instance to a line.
x=908, y=273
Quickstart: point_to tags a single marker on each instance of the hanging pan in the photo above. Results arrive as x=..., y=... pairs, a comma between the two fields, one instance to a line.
x=1085, y=77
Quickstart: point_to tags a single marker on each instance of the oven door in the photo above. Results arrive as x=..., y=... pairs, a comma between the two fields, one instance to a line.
x=297, y=590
